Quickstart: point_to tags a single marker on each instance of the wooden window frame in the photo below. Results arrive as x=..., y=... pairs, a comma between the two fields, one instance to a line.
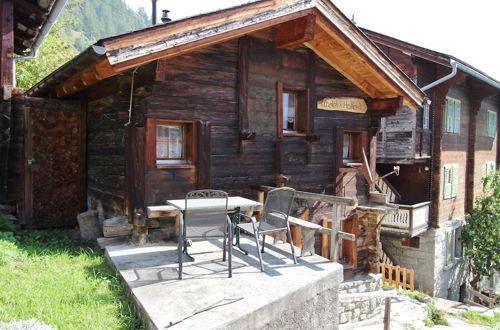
x=361, y=141
x=302, y=109
x=450, y=181
x=189, y=143
x=453, y=126
x=491, y=126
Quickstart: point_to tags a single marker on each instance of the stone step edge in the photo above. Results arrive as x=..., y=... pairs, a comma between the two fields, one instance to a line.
x=373, y=294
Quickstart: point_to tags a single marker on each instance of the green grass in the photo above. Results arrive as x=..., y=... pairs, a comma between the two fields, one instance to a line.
x=62, y=282
x=480, y=319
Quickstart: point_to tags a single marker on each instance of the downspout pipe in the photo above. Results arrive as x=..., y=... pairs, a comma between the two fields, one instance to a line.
x=454, y=69
x=455, y=66
x=51, y=20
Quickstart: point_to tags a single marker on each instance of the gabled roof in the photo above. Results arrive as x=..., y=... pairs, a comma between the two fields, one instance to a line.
x=429, y=55
x=317, y=24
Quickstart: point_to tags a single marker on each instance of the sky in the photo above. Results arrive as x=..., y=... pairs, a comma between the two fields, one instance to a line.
x=468, y=30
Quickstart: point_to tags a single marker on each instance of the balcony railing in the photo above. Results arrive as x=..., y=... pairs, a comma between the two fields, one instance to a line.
x=410, y=221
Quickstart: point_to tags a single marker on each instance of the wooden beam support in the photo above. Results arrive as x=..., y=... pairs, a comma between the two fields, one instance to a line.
x=243, y=51
x=295, y=32
x=386, y=105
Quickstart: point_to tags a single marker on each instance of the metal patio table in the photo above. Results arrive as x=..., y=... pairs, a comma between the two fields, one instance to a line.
x=235, y=205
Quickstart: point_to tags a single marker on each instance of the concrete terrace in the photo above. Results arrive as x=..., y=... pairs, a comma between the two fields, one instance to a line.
x=285, y=296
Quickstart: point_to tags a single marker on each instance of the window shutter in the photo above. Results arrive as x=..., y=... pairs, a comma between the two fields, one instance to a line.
x=492, y=123
x=449, y=115
x=454, y=181
x=447, y=183
x=456, y=119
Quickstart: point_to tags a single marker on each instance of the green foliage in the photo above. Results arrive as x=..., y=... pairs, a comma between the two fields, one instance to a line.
x=473, y=317
x=412, y=294
x=90, y=16
x=435, y=316
x=481, y=233
x=52, y=54
x=5, y=224
x=62, y=282
x=81, y=24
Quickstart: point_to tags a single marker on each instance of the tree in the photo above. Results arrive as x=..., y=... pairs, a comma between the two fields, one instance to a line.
x=481, y=234
x=52, y=54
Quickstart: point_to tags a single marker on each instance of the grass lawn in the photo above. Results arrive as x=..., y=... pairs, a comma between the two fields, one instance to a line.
x=62, y=282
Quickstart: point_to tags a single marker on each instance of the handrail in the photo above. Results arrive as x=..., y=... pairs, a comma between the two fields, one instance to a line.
x=349, y=201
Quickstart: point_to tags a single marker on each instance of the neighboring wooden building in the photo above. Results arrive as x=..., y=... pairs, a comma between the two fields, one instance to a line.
x=226, y=100
x=443, y=150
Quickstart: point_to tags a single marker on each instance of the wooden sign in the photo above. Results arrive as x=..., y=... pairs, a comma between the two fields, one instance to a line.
x=348, y=104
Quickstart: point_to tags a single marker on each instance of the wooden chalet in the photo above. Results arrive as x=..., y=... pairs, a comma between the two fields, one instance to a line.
x=443, y=150
x=267, y=93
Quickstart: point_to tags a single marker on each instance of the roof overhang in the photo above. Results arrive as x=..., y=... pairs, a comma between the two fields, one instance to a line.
x=334, y=38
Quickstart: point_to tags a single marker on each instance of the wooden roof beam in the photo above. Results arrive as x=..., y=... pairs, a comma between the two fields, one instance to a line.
x=295, y=32
x=385, y=107
x=98, y=71
x=30, y=8
x=208, y=41
x=26, y=21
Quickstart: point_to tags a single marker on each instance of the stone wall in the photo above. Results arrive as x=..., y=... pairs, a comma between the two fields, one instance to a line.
x=432, y=273
x=359, y=298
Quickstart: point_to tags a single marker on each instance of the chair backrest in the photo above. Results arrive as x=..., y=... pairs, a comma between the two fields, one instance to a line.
x=205, y=215
x=277, y=206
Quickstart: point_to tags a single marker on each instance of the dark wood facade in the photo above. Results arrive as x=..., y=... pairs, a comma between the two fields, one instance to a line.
x=203, y=87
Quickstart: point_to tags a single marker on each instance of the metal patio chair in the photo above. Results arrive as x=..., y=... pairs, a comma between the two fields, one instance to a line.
x=205, y=218
x=274, y=219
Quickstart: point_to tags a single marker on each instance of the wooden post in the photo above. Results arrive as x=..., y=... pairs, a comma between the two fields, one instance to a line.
x=334, y=239
x=387, y=313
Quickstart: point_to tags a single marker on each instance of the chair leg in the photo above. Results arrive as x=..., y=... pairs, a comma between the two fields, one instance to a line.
x=224, y=243
x=258, y=250
x=230, y=258
x=263, y=242
x=291, y=244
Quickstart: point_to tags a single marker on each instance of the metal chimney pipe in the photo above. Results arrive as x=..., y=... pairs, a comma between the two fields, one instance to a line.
x=153, y=17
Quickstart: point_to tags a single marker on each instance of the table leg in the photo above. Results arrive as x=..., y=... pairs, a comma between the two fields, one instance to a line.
x=237, y=219
x=180, y=217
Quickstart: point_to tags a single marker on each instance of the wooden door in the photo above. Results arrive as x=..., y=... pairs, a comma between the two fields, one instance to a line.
x=54, y=161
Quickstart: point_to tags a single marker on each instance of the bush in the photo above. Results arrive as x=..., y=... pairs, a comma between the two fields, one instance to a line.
x=435, y=316
x=5, y=224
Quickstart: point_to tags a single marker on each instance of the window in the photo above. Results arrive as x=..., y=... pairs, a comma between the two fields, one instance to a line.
x=490, y=167
x=452, y=115
x=450, y=181
x=170, y=143
x=492, y=123
x=293, y=110
x=353, y=143
x=453, y=247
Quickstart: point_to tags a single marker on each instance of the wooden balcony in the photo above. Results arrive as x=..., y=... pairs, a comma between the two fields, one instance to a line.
x=410, y=221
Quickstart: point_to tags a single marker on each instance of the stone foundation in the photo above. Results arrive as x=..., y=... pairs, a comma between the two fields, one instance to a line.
x=359, y=298
x=432, y=275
